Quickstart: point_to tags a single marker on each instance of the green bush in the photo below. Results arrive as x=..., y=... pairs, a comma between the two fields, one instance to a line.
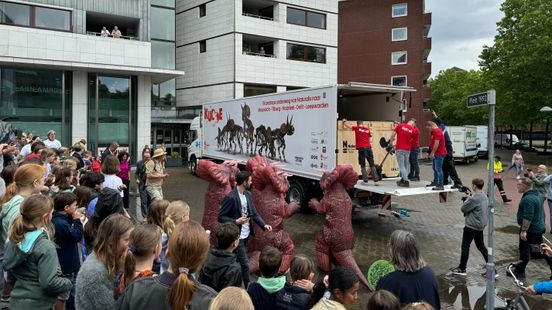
x=175, y=154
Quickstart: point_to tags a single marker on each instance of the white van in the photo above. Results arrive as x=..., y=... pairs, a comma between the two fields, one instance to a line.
x=503, y=140
x=482, y=138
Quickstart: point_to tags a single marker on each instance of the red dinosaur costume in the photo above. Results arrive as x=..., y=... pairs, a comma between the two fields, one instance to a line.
x=269, y=188
x=221, y=178
x=335, y=241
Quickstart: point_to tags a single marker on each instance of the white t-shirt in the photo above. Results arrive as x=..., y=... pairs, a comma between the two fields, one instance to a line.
x=25, y=150
x=245, y=228
x=52, y=144
x=114, y=182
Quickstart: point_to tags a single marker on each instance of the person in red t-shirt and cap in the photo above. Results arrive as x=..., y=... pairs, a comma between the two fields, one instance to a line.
x=364, y=147
x=437, y=153
x=403, y=133
x=414, y=174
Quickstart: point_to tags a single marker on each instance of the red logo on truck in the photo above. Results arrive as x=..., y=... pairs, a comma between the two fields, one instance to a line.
x=213, y=115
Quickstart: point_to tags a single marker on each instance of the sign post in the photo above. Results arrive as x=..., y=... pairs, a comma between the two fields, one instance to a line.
x=488, y=98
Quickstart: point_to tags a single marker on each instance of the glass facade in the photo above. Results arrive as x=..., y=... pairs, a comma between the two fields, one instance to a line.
x=306, y=53
x=37, y=101
x=306, y=18
x=111, y=111
x=255, y=89
x=166, y=3
x=163, y=23
x=163, y=54
x=34, y=16
x=163, y=50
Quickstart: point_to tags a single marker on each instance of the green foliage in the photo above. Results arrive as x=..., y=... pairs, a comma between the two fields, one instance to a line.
x=519, y=62
x=449, y=92
x=378, y=270
x=175, y=154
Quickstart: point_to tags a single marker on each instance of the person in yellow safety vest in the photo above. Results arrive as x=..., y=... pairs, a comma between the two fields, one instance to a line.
x=497, y=175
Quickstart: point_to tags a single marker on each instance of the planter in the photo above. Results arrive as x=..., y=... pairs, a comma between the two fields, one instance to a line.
x=173, y=162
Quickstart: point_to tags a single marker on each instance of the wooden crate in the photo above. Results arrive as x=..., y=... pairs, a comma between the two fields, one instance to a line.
x=347, y=153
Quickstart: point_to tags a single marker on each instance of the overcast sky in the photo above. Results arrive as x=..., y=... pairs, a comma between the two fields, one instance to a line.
x=459, y=30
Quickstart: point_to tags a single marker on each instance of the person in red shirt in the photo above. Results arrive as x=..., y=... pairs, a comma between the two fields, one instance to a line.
x=403, y=133
x=437, y=153
x=414, y=174
x=364, y=147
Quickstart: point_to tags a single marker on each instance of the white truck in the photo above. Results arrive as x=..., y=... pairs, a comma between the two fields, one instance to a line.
x=482, y=138
x=464, y=142
x=301, y=130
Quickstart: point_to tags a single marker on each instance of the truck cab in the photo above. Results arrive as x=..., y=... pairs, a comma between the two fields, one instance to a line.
x=195, y=150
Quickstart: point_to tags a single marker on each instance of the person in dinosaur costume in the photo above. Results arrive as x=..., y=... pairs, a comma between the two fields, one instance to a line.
x=269, y=188
x=335, y=241
x=221, y=178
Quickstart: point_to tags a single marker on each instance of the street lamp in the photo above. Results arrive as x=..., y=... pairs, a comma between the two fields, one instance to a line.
x=546, y=109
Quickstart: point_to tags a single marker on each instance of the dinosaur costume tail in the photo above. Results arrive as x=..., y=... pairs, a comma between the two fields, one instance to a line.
x=346, y=259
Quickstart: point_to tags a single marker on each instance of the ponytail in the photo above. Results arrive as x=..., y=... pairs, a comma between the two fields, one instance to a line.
x=32, y=211
x=182, y=291
x=168, y=225
x=11, y=191
x=18, y=230
x=130, y=267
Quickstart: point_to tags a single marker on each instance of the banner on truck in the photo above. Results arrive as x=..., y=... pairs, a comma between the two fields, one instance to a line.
x=295, y=128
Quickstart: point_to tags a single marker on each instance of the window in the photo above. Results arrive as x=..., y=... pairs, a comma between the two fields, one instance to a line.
x=306, y=53
x=163, y=54
x=202, y=10
x=202, y=46
x=400, y=9
x=15, y=14
x=399, y=80
x=166, y=3
x=162, y=24
x=399, y=58
x=256, y=90
x=399, y=34
x=52, y=19
x=306, y=18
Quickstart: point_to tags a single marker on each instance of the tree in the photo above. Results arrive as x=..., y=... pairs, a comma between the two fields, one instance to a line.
x=519, y=62
x=449, y=92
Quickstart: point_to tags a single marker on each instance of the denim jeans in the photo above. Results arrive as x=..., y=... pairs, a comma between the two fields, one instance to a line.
x=437, y=166
x=414, y=167
x=402, y=158
x=518, y=169
x=242, y=258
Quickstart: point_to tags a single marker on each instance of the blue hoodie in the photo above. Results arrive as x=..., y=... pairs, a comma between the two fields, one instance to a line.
x=68, y=233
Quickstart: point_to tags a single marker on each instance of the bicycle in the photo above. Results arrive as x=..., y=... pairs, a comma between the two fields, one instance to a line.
x=518, y=302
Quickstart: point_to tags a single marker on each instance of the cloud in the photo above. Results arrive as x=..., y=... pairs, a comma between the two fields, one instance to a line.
x=459, y=30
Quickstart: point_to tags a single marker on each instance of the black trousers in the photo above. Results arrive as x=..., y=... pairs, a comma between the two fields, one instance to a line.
x=366, y=154
x=468, y=236
x=241, y=252
x=126, y=192
x=500, y=186
x=450, y=170
x=525, y=251
x=144, y=199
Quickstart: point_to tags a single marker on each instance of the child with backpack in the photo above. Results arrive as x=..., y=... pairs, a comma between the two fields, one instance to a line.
x=296, y=295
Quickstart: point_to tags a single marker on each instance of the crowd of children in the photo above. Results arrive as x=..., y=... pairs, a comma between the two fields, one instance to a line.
x=69, y=243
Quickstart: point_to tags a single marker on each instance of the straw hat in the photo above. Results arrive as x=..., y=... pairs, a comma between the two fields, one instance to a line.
x=159, y=152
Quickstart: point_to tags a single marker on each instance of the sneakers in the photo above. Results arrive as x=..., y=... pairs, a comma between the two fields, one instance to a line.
x=432, y=184
x=403, y=183
x=458, y=271
x=457, y=186
x=414, y=179
x=438, y=188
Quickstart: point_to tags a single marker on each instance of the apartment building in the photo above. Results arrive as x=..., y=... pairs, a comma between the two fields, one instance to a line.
x=387, y=42
x=60, y=71
x=239, y=48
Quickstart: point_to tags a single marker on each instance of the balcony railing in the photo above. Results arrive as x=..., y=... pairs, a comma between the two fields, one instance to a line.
x=97, y=34
x=258, y=54
x=257, y=16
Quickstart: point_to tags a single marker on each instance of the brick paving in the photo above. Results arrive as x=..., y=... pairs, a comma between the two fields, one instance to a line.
x=438, y=227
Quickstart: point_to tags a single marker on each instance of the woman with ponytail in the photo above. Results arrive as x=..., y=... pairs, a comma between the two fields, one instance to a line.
x=177, y=288
x=96, y=280
x=177, y=212
x=31, y=258
x=144, y=247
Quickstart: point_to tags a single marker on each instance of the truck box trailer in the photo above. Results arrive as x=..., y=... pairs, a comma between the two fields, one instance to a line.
x=464, y=142
x=482, y=138
x=300, y=129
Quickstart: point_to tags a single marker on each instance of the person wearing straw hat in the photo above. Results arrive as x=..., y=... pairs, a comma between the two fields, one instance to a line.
x=155, y=174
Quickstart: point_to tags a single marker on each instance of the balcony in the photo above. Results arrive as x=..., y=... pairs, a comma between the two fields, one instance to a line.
x=258, y=46
x=427, y=23
x=258, y=9
x=426, y=93
x=427, y=47
x=427, y=70
x=129, y=27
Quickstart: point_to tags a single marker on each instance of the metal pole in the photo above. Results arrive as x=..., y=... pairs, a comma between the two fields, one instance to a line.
x=546, y=134
x=491, y=95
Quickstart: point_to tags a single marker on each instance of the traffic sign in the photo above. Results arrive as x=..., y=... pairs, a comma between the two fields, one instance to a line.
x=478, y=100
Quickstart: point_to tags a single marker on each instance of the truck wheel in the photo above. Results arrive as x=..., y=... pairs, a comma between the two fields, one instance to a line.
x=297, y=193
x=193, y=165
